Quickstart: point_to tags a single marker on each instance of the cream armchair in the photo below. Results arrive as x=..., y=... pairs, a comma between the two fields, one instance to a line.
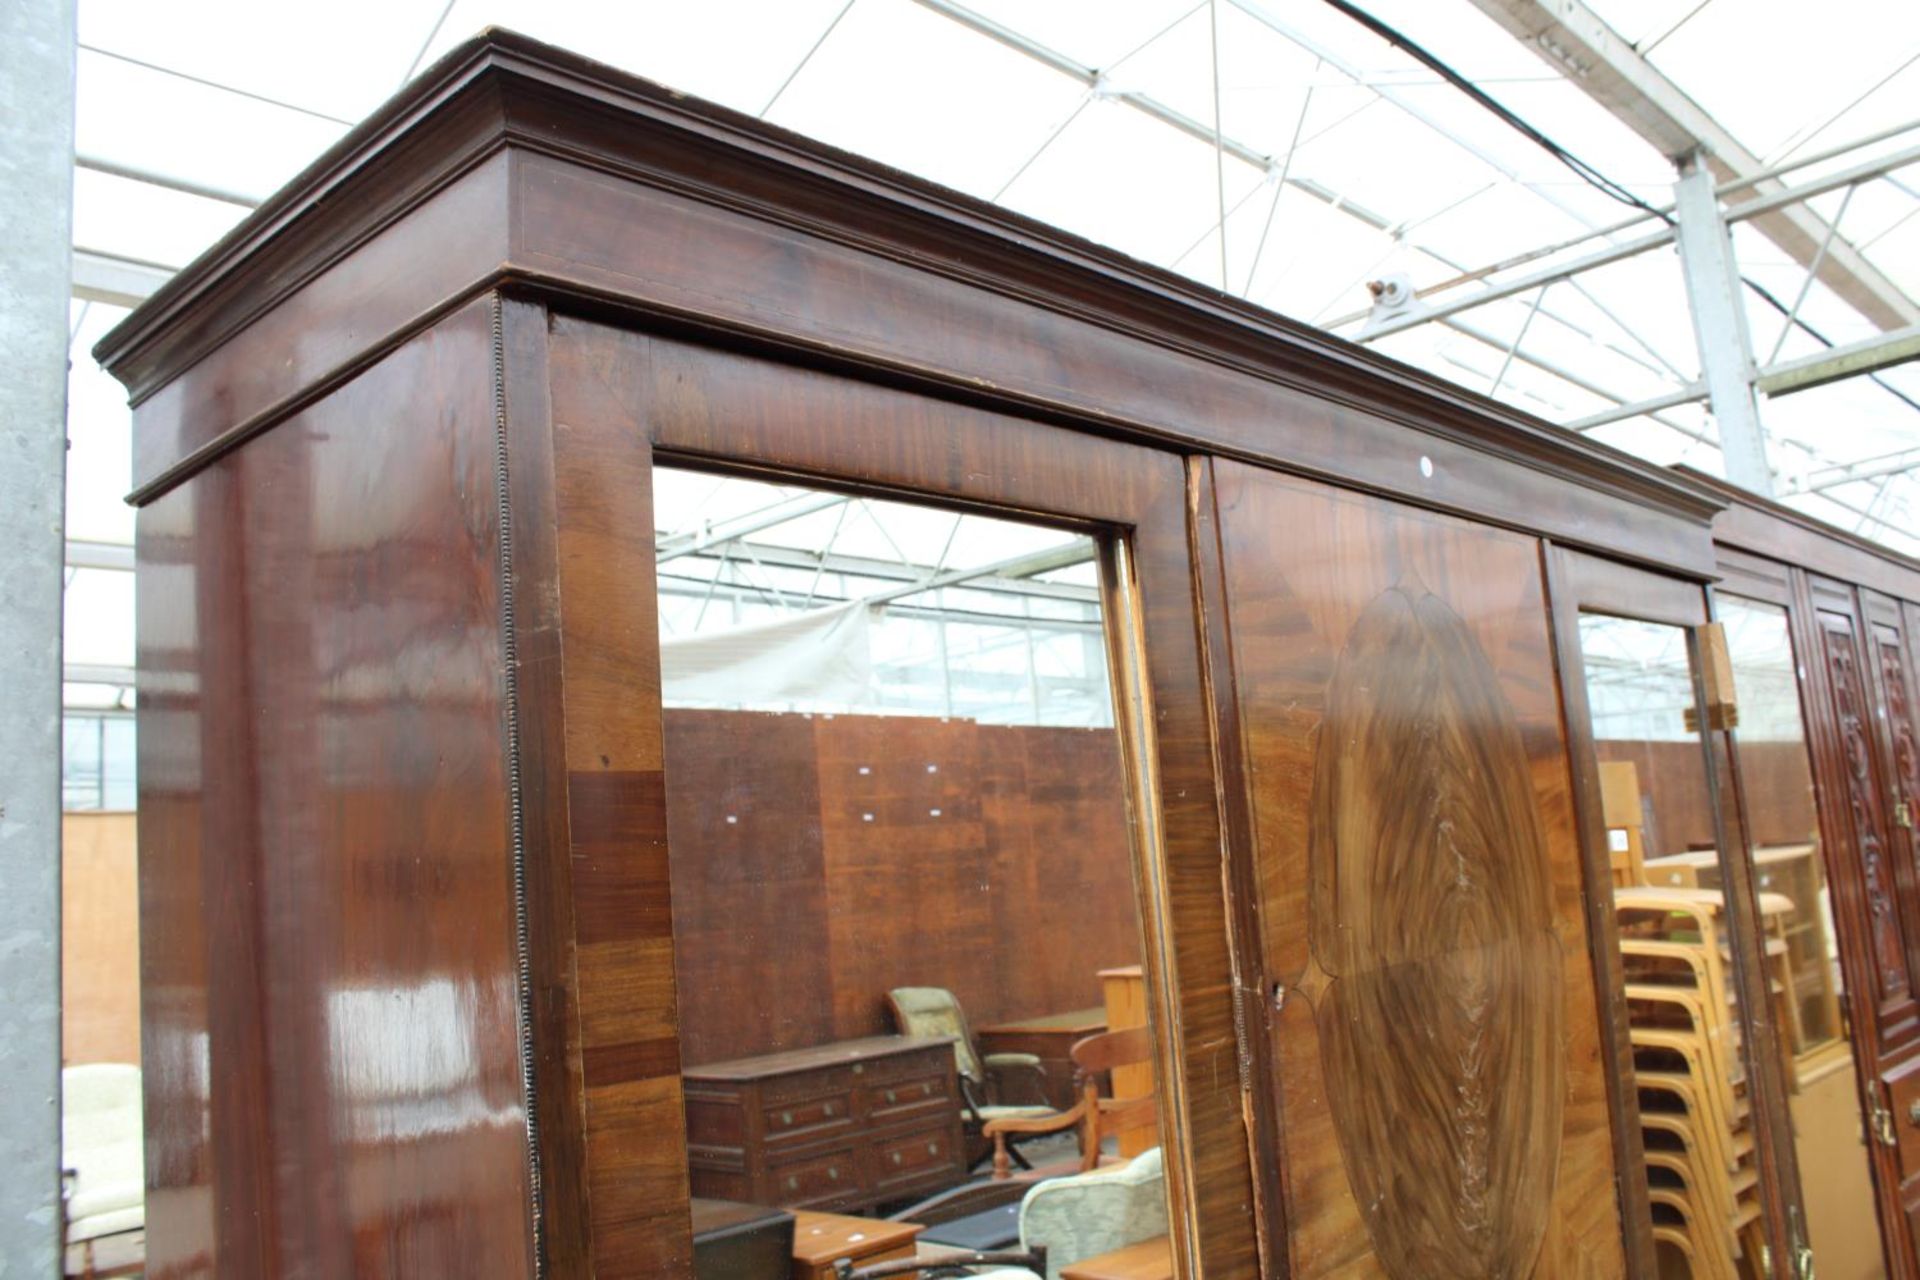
x=102, y=1151
x=1089, y=1214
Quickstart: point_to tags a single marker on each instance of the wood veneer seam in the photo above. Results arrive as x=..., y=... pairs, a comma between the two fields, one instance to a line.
x=516, y=807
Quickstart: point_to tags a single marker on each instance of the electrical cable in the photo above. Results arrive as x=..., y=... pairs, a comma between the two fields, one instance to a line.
x=1586, y=172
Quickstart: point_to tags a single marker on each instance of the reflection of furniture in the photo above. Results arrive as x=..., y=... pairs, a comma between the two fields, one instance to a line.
x=1049, y=1040
x=1792, y=871
x=822, y=1239
x=1620, y=810
x=1125, y=990
x=1095, y=1117
x=733, y=1241
x=1093, y=1214
x=102, y=1151
x=1695, y=1106
x=838, y=1126
x=994, y=1087
x=1148, y=1260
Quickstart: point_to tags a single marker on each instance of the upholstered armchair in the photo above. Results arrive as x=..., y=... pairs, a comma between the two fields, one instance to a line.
x=102, y=1153
x=996, y=1086
x=1088, y=1214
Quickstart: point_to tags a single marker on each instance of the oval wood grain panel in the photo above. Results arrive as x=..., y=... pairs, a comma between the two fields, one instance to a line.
x=1436, y=976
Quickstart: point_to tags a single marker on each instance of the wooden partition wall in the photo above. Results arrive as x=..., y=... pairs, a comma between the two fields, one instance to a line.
x=818, y=861
x=415, y=844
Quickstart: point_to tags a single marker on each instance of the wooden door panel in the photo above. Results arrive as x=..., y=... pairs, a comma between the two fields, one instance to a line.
x=1444, y=1108
x=1892, y=984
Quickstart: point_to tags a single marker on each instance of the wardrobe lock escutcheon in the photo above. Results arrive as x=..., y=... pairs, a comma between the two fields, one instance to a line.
x=1903, y=814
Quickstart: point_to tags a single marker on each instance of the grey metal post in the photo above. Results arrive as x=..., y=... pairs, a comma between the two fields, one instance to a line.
x=36, y=263
x=1714, y=295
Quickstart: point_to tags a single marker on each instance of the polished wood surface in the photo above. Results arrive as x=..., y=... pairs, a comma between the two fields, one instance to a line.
x=1432, y=917
x=820, y=861
x=1147, y=1260
x=1824, y=620
x=330, y=1035
x=822, y=1239
x=1490, y=1153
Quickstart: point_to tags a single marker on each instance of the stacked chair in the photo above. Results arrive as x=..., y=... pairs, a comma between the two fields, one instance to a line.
x=1695, y=1113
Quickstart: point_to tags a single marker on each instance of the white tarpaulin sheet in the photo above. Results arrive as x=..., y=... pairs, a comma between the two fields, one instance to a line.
x=820, y=656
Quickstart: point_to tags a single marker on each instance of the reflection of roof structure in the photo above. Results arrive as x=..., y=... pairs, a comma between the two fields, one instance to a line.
x=972, y=616
x=1502, y=172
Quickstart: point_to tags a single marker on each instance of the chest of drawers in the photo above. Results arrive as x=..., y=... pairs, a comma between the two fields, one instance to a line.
x=848, y=1125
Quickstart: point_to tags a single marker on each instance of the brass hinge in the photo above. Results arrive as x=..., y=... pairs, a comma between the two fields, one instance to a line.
x=1802, y=1251
x=1883, y=1125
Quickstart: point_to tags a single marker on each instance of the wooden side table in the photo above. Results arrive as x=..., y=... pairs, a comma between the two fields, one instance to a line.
x=1148, y=1260
x=1048, y=1039
x=821, y=1239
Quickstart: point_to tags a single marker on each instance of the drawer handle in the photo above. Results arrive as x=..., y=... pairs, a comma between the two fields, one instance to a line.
x=857, y=1068
x=833, y=1173
x=1913, y=1113
x=827, y=1111
x=793, y=1183
x=786, y=1117
x=933, y=1148
x=896, y=1157
x=891, y=1097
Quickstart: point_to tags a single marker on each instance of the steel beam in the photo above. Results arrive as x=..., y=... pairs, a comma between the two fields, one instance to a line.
x=1892, y=464
x=1715, y=297
x=1146, y=104
x=1574, y=40
x=1021, y=566
x=1835, y=363
x=37, y=59
x=791, y=508
x=115, y=280
x=99, y=555
x=838, y=563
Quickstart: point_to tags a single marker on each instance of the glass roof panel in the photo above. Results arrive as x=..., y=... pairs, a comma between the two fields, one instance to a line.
x=1766, y=73
x=1396, y=171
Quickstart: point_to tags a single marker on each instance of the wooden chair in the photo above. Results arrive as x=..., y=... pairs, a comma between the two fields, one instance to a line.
x=1691, y=1075
x=1094, y=1116
x=989, y=1083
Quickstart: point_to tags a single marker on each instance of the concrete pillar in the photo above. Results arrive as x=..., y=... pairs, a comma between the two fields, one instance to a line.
x=1718, y=302
x=36, y=262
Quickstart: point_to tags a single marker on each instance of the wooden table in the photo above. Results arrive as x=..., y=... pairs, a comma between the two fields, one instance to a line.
x=1048, y=1039
x=1125, y=990
x=821, y=1239
x=1148, y=1260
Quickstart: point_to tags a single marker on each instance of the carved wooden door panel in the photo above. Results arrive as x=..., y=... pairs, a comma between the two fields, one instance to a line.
x=1869, y=731
x=1432, y=1019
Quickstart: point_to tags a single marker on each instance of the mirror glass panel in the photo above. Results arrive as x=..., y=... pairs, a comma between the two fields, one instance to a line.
x=906, y=929
x=1689, y=1064
x=1790, y=870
